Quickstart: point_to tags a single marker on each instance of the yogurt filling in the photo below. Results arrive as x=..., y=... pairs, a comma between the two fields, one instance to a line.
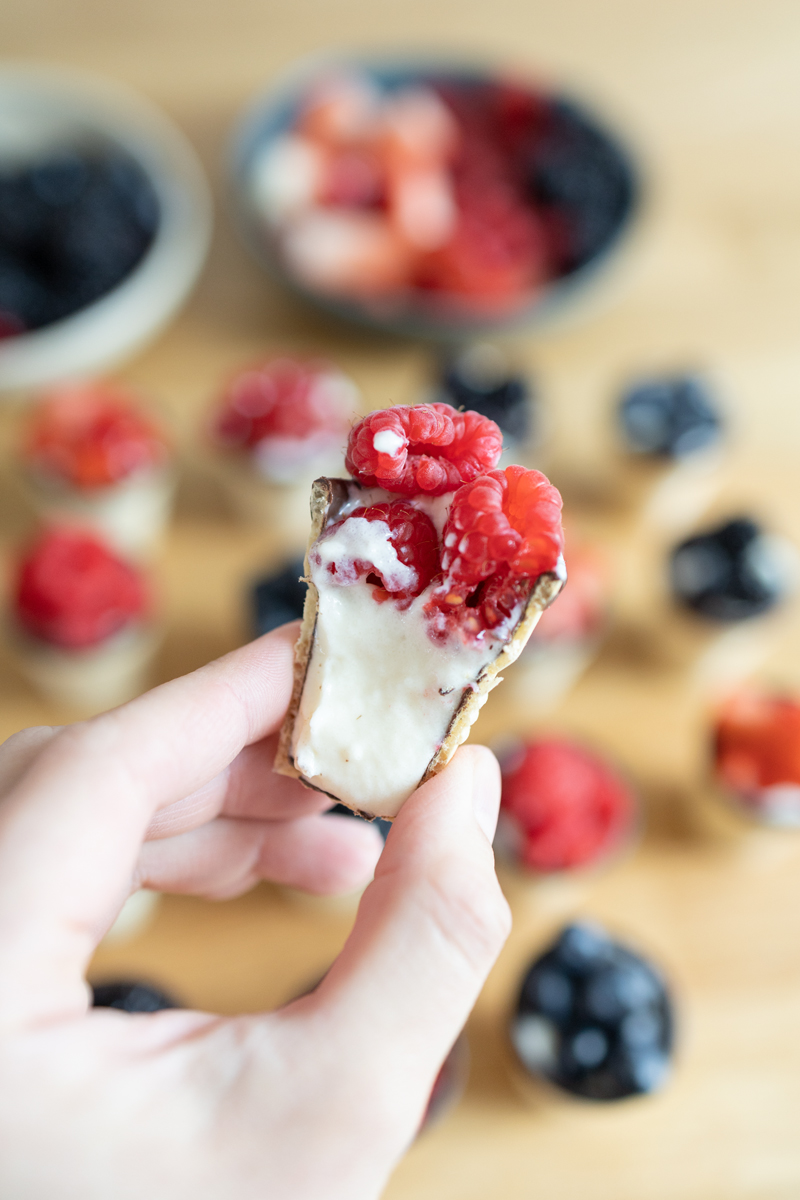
x=379, y=693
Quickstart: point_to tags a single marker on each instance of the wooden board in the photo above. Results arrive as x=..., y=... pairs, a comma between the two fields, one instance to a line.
x=710, y=93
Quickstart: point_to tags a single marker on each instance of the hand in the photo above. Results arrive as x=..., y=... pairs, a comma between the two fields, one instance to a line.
x=175, y=791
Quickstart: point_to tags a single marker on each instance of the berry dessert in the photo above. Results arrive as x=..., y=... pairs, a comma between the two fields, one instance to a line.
x=278, y=425
x=80, y=621
x=594, y=1018
x=562, y=808
x=73, y=224
x=670, y=428
x=92, y=457
x=756, y=757
x=569, y=635
x=427, y=573
x=130, y=997
x=479, y=378
x=279, y=597
x=443, y=195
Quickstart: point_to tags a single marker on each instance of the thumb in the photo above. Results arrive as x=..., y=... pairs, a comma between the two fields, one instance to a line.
x=429, y=929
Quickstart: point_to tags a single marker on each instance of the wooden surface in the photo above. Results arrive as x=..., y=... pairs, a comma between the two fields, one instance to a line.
x=710, y=93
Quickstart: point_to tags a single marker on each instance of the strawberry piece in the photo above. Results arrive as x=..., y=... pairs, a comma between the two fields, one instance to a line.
x=567, y=807
x=72, y=591
x=92, y=436
x=413, y=536
x=284, y=398
x=427, y=448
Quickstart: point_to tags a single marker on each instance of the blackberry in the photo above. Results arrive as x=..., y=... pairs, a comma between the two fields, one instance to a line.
x=278, y=597
x=730, y=573
x=73, y=225
x=131, y=997
x=671, y=417
x=480, y=378
x=379, y=823
x=580, y=177
x=594, y=1018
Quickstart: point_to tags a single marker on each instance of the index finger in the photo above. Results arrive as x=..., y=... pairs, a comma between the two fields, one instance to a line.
x=71, y=828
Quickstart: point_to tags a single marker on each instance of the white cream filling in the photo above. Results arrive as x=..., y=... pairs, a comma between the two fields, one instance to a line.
x=379, y=693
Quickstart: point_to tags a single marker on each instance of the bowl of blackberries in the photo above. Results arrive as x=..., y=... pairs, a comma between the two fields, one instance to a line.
x=438, y=200
x=104, y=224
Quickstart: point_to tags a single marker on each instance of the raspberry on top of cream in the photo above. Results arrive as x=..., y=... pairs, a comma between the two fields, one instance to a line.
x=422, y=572
x=73, y=591
x=92, y=436
x=285, y=413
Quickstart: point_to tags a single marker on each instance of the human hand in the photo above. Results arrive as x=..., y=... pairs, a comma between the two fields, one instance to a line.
x=175, y=791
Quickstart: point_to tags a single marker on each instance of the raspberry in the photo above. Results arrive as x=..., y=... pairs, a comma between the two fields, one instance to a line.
x=757, y=742
x=569, y=807
x=506, y=522
x=427, y=448
x=413, y=536
x=92, y=436
x=74, y=592
x=284, y=398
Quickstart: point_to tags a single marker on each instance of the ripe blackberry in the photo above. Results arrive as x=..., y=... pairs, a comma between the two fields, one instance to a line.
x=427, y=448
x=731, y=573
x=594, y=1018
x=671, y=417
x=131, y=997
x=278, y=597
x=479, y=378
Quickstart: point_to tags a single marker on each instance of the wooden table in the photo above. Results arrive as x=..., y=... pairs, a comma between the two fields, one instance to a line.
x=710, y=92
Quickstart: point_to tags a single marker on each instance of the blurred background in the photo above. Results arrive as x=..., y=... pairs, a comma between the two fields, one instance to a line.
x=698, y=105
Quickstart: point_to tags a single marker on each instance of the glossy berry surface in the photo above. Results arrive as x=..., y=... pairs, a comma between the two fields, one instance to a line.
x=92, y=436
x=73, y=225
x=730, y=573
x=756, y=749
x=131, y=997
x=278, y=597
x=479, y=378
x=594, y=1018
x=427, y=448
x=74, y=592
x=413, y=537
x=670, y=417
x=563, y=807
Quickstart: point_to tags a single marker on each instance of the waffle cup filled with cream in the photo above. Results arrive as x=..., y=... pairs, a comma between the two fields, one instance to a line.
x=80, y=624
x=278, y=426
x=94, y=458
x=427, y=573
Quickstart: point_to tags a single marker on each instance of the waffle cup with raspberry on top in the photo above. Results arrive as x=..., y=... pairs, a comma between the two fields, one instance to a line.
x=94, y=458
x=80, y=625
x=427, y=573
x=278, y=425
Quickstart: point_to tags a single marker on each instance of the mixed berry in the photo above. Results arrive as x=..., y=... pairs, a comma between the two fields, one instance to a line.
x=73, y=225
x=731, y=573
x=92, y=435
x=502, y=529
x=438, y=190
x=480, y=378
x=563, y=807
x=594, y=1018
x=73, y=591
x=756, y=756
x=284, y=413
x=669, y=417
x=131, y=997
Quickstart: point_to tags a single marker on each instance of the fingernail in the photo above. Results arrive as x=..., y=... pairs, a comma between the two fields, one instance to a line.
x=486, y=791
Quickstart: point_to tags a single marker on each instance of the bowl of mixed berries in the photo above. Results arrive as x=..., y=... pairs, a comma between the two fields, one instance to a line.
x=436, y=200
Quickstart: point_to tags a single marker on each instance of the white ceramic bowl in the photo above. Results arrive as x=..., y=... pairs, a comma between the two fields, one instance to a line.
x=46, y=107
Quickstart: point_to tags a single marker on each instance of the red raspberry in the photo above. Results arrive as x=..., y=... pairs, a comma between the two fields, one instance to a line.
x=757, y=742
x=92, y=436
x=428, y=448
x=413, y=535
x=72, y=591
x=506, y=522
x=284, y=398
x=566, y=805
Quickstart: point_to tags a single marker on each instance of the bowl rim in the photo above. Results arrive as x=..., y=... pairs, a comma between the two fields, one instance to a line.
x=122, y=320
x=280, y=99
